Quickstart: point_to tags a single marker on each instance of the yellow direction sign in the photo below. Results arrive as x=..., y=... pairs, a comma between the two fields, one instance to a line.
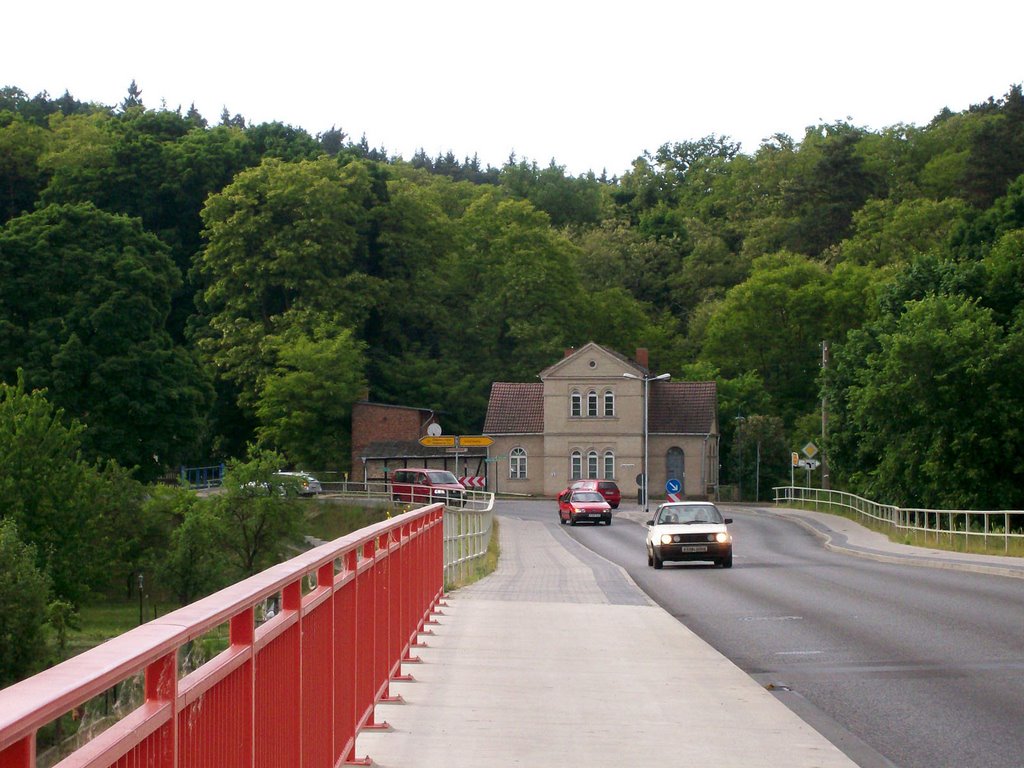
x=438, y=441
x=475, y=441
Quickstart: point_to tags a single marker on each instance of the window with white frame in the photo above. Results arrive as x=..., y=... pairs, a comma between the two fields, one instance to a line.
x=592, y=403
x=609, y=403
x=576, y=466
x=575, y=404
x=592, y=465
x=517, y=464
x=609, y=465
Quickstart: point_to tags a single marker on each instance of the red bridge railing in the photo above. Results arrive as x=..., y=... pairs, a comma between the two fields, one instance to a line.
x=293, y=691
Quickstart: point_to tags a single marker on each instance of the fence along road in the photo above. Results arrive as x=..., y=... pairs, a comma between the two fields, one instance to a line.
x=291, y=691
x=1004, y=526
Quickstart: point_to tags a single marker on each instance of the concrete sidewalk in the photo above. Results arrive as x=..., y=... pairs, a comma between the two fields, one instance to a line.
x=558, y=659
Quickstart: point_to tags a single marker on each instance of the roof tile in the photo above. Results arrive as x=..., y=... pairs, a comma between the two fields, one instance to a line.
x=515, y=408
x=683, y=407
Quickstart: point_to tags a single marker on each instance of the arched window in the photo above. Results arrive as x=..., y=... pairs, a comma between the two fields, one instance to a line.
x=591, y=403
x=592, y=465
x=517, y=464
x=575, y=404
x=609, y=403
x=576, y=466
x=609, y=465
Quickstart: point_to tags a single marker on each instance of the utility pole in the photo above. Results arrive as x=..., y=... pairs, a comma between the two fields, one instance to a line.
x=824, y=420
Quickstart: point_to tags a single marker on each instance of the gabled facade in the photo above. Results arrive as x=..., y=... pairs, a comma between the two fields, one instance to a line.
x=585, y=419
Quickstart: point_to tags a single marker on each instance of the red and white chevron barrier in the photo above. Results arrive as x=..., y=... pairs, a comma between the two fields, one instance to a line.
x=473, y=481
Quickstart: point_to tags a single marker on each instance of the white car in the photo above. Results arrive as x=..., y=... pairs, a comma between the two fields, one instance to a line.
x=689, y=530
x=304, y=483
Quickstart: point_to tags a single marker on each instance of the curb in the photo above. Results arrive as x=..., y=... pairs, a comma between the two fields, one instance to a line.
x=837, y=542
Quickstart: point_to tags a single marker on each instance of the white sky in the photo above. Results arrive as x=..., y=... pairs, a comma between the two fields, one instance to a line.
x=589, y=83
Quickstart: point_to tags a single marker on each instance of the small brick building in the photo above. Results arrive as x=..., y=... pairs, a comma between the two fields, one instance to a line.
x=386, y=437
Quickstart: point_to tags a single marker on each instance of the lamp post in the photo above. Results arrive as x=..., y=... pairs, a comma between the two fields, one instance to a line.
x=645, y=487
x=141, y=583
x=739, y=455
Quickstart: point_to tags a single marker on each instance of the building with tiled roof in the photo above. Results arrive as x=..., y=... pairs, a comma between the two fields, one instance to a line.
x=585, y=419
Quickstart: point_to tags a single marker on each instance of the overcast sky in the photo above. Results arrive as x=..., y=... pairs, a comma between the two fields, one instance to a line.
x=591, y=84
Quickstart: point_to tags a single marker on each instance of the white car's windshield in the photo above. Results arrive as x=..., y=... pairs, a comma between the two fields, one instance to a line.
x=690, y=513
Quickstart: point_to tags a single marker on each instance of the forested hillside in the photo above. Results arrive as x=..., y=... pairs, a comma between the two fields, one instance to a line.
x=185, y=289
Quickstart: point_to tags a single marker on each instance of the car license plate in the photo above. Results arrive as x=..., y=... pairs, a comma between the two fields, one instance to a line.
x=693, y=548
x=595, y=514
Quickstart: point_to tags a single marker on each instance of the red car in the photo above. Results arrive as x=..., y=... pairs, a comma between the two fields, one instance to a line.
x=420, y=485
x=574, y=506
x=606, y=488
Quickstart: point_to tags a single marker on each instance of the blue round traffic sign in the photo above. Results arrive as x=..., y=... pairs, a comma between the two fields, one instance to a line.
x=672, y=486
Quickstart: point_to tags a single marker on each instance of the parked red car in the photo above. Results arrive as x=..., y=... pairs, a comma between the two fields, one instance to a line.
x=574, y=506
x=420, y=485
x=606, y=488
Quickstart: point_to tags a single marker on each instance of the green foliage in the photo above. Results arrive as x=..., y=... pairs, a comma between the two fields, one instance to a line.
x=189, y=561
x=92, y=332
x=773, y=324
x=566, y=200
x=22, y=144
x=761, y=451
x=63, y=617
x=445, y=276
x=282, y=237
x=23, y=597
x=76, y=515
x=890, y=232
x=305, y=403
x=254, y=515
x=933, y=404
x=820, y=203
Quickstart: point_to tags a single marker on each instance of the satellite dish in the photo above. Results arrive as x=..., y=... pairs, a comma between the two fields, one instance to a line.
x=434, y=429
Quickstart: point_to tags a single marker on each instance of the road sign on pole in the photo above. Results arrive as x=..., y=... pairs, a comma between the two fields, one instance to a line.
x=438, y=441
x=476, y=441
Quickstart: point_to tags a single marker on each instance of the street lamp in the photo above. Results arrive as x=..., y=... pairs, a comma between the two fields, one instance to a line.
x=739, y=454
x=644, y=489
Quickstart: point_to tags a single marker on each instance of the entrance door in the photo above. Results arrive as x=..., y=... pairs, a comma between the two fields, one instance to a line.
x=675, y=467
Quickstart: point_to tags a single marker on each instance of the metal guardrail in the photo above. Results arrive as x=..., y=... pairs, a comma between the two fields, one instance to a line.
x=468, y=520
x=203, y=477
x=292, y=687
x=1004, y=524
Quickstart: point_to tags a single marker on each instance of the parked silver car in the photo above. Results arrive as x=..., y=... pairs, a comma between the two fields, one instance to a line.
x=304, y=483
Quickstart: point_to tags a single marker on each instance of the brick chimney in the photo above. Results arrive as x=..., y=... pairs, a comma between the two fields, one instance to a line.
x=569, y=351
x=641, y=356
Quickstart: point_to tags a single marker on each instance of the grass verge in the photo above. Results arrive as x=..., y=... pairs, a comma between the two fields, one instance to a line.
x=482, y=566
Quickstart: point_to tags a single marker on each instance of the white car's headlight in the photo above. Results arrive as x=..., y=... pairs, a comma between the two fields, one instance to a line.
x=722, y=537
x=666, y=538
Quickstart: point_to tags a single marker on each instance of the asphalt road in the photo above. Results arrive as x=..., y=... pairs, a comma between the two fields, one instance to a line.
x=896, y=665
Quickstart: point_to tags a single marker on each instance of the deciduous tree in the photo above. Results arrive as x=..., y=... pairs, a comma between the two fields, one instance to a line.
x=84, y=296
x=23, y=597
x=305, y=402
